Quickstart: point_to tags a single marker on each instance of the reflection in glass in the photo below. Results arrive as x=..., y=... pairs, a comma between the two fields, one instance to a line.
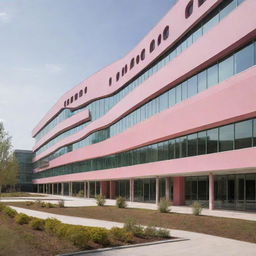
x=243, y=134
x=226, y=137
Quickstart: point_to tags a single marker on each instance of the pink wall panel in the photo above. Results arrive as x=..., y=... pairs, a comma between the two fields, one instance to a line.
x=175, y=18
x=235, y=99
x=236, y=160
x=180, y=68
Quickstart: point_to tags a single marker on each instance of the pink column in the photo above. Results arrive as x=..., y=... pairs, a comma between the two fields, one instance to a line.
x=211, y=191
x=178, y=190
x=112, y=189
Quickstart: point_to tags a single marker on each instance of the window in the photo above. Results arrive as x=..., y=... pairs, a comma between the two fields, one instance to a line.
x=201, y=141
x=212, y=74
x=125, y=69
x=192, y=86
x=142, y=55
x=243, y=134
x=110, y=81
x=212, y=140
x=192, y=144
x=71, y=99
x=229, y=6
x=244, y=58
x=85, y=90
x=132, y=63
x=138, y=59
x=65, y=103
x=184, y=90
x=200, y=2
x=226, y=68
x=202, y=81
x=254, y=132
x=159, y=39
x=76, y=96
x=189, y=9
x=152, y=46
x=117, y=76
x=81, y=93
x=122, y=71
x=166, y=33
x=212, y=21
x=226, y=137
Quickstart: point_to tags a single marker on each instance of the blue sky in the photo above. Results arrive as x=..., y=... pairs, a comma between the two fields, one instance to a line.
x=49, y=46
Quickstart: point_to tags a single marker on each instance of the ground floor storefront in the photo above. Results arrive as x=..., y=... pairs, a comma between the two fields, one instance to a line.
x=232, y=191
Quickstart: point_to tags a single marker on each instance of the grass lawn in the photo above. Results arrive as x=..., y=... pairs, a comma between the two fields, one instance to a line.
x=23, y=241
x=19, y=194
x=230, y=228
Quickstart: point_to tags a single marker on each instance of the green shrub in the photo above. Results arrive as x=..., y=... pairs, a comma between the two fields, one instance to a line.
x=100, y=200
x=9, y=212
x=37, y=224
x=99, y=235
x=22, y=218
x=163, y=233
x=78, y=235
x=2, y=206
x=51, y=225
x=150, y=231
x=61, y=203
x=62, y=230
x=29, y=203
x=49, y=205
x=80, y=193
x=130, y=225
x=121, y=234
x=163, y=205
x=120, y=202
x=196, y=208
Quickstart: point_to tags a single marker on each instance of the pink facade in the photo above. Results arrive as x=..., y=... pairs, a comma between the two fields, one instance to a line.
x=231, y=101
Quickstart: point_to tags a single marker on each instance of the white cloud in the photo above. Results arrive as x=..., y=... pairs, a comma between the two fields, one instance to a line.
x=53, y=68
x=4, y=17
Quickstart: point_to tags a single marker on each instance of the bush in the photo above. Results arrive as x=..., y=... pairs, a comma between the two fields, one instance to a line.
x=130, y=225
x=163, y=205
x=61, y=203
x=49, y=205
x=100, y=200
x=120, y=202
x=2, y=206
x=121, y=234
x=99, y=235
x=29, y=203
x=9, y=212
x=80, y=193
x=163, y=233
x=196, y=208
x=150, y=231
x=22, y=218
x=37, y=224
x=51, y=225
x=78, y=235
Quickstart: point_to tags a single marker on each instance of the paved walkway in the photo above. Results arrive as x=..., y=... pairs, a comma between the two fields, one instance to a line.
x=197, y=244
x=79, y=202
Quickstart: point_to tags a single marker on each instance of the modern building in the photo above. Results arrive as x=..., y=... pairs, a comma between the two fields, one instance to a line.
x=174, y=118
x=25, y=167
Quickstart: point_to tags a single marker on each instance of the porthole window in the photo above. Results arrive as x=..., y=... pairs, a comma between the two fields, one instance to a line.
x=132, y=63
x=142, y=54
x=125, y=69
x=152, y=46
x=189, y=9
x=117, y=76
x=166, y=33
x=159, y=39
x=200, y=2
x=85, y=90
x=67, y=101
x=122, y=71
x=71, y=99
x=76, y=96
x=110, y=81
x=81, y=93
x=138, y=59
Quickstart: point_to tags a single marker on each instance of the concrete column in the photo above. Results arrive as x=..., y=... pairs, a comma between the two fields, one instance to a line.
x=112, y=188
x=62, y=189
x=131, y=190
x=178, y=190
x=211, y=191
x=167, y=189
x=53, y=188
x=88, y=189
x=85, y=194
x=70, y=193
x=157, y=190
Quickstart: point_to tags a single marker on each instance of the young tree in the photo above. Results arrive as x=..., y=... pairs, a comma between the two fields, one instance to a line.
x=8, y=163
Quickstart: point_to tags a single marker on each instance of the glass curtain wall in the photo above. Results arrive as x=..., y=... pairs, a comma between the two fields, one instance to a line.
x=123, y=189
x=145, y=190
